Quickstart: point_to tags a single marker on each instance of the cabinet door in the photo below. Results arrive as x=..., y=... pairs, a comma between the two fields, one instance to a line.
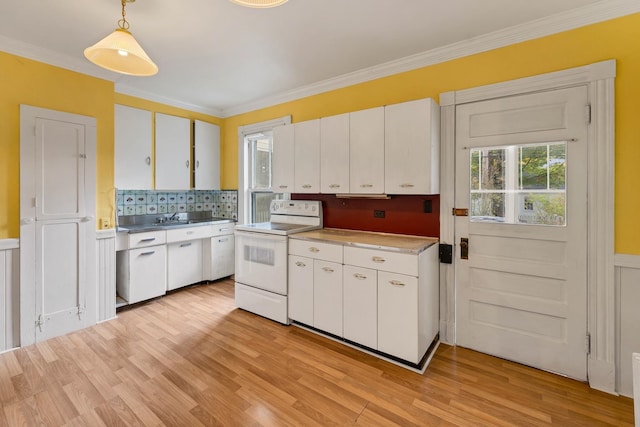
x=306, y=157
x=222, y=257
x=206, y=149
x=282, y=160
x=360, y=306
x=334, y=154
x=173, y=142
x=133, y=141
x=366, y=151
x=412, y=141
x=184, y=264
x=301, y=289
x=327, y=296
x=147, y=273
x=398, y=316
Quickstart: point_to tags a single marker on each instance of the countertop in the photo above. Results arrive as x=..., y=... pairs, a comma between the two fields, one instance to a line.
x=141, y=228
x=369, y=240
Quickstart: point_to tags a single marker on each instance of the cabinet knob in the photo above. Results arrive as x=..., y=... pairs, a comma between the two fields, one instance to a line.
x=187, y=163
x=197, y=164
x=378, y=259
x=148, y=160
x=396, y=283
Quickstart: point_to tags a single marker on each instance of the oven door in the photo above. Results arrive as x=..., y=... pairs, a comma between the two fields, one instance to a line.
x=261, y=261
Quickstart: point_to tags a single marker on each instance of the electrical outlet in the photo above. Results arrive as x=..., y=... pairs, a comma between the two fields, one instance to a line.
x=427, y=207
x=104, y=223
x=378, y=214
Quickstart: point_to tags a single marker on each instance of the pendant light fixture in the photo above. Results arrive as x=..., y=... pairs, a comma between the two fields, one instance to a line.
x=120, y=52
x=260, y=3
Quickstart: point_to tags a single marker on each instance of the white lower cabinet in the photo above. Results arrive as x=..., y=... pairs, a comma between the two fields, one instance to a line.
x=327, y=296
x=301, y=289
x=220, y=257
x=141, y=273
x=360, y=305
x=398, y=316
x=184, y=263
x=385, y=300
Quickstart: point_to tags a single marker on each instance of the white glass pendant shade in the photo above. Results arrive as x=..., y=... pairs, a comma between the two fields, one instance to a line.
x=260, y=3
x=120, y=52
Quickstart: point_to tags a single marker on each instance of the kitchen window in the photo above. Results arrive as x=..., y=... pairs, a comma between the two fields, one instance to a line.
x=256, y=149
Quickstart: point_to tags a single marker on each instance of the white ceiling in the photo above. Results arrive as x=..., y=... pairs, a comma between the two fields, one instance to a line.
x=221, y=58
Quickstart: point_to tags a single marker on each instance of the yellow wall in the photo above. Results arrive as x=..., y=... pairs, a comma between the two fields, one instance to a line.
x=33, y=83
x=616, y=39
x=29, y=82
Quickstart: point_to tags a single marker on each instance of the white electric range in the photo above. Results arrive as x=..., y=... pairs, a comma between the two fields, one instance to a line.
x=262, y=253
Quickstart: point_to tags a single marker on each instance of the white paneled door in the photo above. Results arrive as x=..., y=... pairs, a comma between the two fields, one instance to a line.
x=57, y=230
x=521, y=270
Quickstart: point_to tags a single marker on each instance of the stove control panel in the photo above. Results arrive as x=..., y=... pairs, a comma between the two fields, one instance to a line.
x=296, y=207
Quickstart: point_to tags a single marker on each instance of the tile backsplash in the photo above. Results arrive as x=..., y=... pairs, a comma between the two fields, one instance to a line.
x=221, y=203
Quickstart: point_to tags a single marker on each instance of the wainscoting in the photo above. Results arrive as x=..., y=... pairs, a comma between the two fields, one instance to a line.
x=9, y=294
x=628, y=299
x=106, y=271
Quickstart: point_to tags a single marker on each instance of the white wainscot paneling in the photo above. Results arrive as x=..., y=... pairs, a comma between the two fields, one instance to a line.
x=628, y=292
x=106, y=271
x=9, y=294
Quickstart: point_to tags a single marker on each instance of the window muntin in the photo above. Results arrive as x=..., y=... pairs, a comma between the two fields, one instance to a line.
x=519, y=184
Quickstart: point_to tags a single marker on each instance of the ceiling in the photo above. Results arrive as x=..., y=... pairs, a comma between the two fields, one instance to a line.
x=222, y=58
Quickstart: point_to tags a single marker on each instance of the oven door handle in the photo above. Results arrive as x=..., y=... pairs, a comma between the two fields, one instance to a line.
x=261, y=236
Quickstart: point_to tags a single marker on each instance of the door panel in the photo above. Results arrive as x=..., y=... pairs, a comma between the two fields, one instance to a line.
x=521, y=172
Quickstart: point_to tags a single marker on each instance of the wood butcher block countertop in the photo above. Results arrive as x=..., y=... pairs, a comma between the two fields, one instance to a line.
x=369, y=240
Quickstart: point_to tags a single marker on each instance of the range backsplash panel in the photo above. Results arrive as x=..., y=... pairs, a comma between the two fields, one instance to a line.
x=221, y=203
x=402, y=214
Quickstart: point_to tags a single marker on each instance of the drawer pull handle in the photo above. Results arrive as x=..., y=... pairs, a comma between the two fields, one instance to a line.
x=406, y=185
x=147, y=253
x=223, y=229
x=150, y=239
x=300, y=264
x=189, y=232
x=359, y=276
x=306, y=186
x=396, y=283
x=184, y=245
x=314, y=249
x=378, y=259
x=334, y=186
x=327, y=269
x=366, y=185
x=147, y=160
x=222, y=240
x=283, y=186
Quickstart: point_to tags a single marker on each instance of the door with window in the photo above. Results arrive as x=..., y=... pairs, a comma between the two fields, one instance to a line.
x=521, y=273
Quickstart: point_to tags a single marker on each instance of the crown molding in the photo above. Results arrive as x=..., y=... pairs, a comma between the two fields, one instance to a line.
x=575, y=18
x=149, y=96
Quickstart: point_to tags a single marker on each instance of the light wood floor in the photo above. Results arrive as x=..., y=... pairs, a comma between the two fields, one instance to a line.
x=191, y=358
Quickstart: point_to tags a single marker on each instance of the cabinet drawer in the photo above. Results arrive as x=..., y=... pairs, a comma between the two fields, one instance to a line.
x=382, y=260
x=188, y=233
x=222, y=229
x=316, y=250
x=141, y=240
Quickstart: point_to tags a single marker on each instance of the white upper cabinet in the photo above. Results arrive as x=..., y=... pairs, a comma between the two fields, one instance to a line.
x=282, y=167
x=173, y=143
x=334, y=154
x=133, y=143
x=411, y=145
x=306, y=157
x=206, y=142
x=366, y=151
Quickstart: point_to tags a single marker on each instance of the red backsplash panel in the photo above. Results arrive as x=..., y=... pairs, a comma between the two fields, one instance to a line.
x=403, y=214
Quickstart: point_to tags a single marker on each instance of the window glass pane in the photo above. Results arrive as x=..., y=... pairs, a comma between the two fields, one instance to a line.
x=261, y=163
x=260, y=202
x=519, y=184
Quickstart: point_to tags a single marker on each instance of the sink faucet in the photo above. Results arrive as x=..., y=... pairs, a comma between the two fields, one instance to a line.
x=173, y=217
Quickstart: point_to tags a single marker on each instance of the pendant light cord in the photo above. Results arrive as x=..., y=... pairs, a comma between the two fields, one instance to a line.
x=122, y=23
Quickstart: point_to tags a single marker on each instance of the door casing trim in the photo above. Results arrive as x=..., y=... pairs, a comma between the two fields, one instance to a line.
x=599, y=78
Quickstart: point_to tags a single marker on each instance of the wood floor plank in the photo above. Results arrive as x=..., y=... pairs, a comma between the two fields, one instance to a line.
x=191, y=358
